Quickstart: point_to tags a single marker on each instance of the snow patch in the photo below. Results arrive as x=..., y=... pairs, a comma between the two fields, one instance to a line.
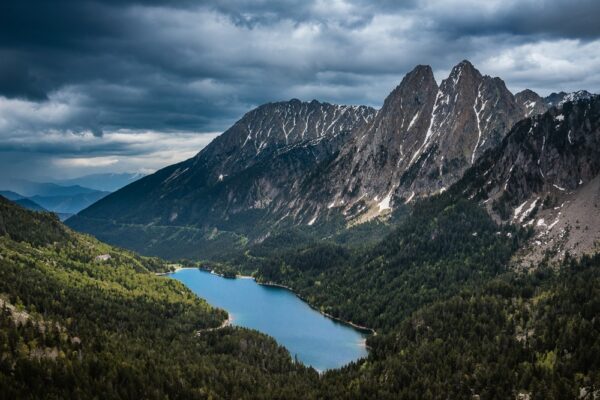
x=560, y=117
x=541, y=222
x=410, y=198
x=552, y=224
x=478, y=122
x=429, y=133
x=558, y=187
x=412, y=121
x=529, y=210
x=385, y=203
x=175, y=174
x=312, y=221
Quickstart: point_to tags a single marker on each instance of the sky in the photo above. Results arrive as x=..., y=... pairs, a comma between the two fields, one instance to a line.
x=134, y=85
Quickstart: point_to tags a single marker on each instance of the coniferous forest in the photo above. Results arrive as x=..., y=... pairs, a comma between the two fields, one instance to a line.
x=452, y=320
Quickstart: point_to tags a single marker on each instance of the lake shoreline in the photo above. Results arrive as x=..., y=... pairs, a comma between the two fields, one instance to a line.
x=360, y=328
x=281, y=314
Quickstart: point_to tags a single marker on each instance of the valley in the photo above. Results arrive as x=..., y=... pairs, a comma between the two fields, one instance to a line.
x=313, y=339
x=458, y=221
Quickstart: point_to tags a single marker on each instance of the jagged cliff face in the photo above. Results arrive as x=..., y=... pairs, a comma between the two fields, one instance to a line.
x=375, y=155
x=531, y=103
x=546, y=174
x=560, y=98
x=262, y=156
x=421, y=142
x=472, y=113
x=295, y=163
x=268, y=129
x=555, y=151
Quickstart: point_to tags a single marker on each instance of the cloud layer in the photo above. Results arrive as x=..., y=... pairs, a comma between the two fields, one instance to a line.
x=79, y=76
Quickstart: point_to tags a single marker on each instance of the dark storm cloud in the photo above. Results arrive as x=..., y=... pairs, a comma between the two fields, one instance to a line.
x=76, y=74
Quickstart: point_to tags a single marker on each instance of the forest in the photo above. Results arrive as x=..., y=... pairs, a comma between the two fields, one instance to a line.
x=453, y=320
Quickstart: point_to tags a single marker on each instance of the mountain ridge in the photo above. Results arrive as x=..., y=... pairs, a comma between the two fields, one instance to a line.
x=295, y=163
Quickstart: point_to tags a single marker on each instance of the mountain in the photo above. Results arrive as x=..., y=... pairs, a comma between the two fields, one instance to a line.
x=68, y=204
x=62, y=200
x=108, y=182
x=560, y=98
x=422, y=141
x=29, y=204
x=10, y=195
x=21, y=200
x=531, y=103
x=29, y=188
x=291, y=164
x=224, y=192
x=546, y=174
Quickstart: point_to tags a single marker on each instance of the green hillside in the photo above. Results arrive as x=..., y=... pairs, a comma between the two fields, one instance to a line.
x=72, y=326
x=452, y=320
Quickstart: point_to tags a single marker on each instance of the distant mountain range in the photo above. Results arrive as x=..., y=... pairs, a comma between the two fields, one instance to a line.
x=64, y=197
x=108, y=182
x=62, y=200
x=21, y=200
x=320, y=165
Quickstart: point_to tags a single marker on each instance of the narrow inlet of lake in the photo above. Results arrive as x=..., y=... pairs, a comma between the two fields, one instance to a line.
x=314, y=339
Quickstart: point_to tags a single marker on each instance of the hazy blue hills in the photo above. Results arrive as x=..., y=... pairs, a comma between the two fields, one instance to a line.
x=62, y=200
x=108, y=182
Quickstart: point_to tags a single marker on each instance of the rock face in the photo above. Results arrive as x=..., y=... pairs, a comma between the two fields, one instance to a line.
x=270, y=129
x=531, y=103
x=546, y=174
x=262, y=157
x=296, y=163
x=560, y=98
x=555, y=151
x=420, y=143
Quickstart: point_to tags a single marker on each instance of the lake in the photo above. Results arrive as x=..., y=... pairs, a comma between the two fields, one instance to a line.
x=314, y=339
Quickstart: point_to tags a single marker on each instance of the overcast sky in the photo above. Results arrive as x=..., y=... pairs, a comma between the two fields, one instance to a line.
x=118, y=85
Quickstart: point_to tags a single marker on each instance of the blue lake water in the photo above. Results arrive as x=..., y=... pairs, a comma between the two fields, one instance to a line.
x=316, y=340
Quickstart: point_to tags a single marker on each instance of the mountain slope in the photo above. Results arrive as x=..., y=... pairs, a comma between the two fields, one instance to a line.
x=422, y=141
x=69, y=204
x=230, y=186
x=531, y=103
x=29, y=188
x=315, y=164
x=10, y=195
x=560, y=98
x=29, y=204
x=545, y=174
x=72, y=326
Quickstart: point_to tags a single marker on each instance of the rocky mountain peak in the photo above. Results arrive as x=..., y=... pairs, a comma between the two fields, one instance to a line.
x=546, y=174
x=560, y=98
x=421, y=141
x=531, y=103
x=471, y=113
x=297, y=162
x=378, y=151
x=267, y=129
x=463, y=69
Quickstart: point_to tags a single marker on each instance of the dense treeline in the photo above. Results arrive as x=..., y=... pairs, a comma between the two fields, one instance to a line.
x=73, y=326
x=453, y=320
x=534, y=333
x=445, y=245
